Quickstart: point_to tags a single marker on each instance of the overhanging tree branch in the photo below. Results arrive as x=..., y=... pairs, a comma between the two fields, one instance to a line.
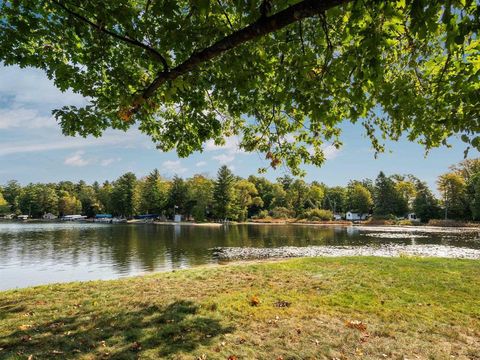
x=127, y=39
x=262, y=27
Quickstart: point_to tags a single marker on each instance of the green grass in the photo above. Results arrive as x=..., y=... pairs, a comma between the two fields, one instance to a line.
x=411, y=308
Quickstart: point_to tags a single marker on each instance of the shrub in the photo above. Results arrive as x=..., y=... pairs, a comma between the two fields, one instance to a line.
x=379, y=222
x=384, y=217
x=406, y=222
x=281, y=213
x=263, y=214
x=317, y=215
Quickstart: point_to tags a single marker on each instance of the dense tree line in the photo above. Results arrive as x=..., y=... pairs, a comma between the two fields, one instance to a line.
x=229, y=197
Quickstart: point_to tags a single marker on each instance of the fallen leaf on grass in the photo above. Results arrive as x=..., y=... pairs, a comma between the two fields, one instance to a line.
x=26, y=338
x=56, y=325
x=365, y=337
x=57, y=352
x=136, y=346
x=356, y=324
x=254, y=301
x=282, y=303
x=24, y=327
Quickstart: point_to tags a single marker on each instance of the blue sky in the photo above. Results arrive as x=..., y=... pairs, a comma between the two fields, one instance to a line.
x=32, y=148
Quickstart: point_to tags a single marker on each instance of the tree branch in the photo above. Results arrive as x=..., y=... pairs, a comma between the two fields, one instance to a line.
x=225, y=14
x=131, y=41
x=262, y=27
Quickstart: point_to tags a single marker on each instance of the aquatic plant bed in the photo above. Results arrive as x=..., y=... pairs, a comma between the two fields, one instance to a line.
x=390, y=250
x=315, y=308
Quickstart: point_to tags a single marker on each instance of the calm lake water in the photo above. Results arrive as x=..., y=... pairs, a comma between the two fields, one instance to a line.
x=41, y=253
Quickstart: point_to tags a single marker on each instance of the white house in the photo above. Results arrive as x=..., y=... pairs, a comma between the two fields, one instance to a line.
x=337, y=216
x=22, y=217
x=412, y=217
x=353, y=216
x=49, y=216
x=73, y=217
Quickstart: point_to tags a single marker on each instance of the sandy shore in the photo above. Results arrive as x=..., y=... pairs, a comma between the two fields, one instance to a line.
x=208, y=224
x=418, y=229
x=391, y=250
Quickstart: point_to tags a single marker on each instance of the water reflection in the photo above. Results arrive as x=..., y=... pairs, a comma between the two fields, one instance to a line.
x=32, y=254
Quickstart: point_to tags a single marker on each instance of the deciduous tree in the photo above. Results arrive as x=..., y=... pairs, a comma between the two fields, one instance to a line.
x=282, y=76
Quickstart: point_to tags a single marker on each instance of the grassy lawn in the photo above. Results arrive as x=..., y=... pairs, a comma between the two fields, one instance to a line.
x=332, y=308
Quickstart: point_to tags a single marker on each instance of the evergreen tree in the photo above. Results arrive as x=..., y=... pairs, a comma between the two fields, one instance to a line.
x=425, y=205
x=153, y=194
x=387, y=200
x=223, y=193
x=124, y=195
x=474, y=195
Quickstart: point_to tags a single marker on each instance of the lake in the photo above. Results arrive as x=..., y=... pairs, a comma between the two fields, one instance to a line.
x=42, y=253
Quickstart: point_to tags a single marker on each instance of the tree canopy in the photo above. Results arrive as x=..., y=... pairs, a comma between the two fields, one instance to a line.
x=282, y=75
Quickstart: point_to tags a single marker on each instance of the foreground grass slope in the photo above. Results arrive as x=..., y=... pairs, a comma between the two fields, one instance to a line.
x=316, y=308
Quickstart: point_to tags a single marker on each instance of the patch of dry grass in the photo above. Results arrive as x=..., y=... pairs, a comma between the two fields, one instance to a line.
x=319, y=308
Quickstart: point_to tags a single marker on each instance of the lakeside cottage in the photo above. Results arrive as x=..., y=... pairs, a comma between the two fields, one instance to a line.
x=412, y=217
x=49, y=216
x=353, y=216
x=73, y=217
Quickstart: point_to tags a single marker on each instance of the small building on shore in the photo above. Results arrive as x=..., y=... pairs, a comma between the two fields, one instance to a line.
x=49, y=216
x=354, y=216
x=412, y=217
x=22, y=217
x=73, y=217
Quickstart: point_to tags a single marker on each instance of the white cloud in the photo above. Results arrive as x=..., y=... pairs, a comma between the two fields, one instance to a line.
x=224, y=158
x=330, y=152
x=77, y=159
x=24, y=118
x=231, y=146
x=201, y=164
x=32, y=86
x=107, y=162
x=58, y=141
x=173, y=167
x=229, y=150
